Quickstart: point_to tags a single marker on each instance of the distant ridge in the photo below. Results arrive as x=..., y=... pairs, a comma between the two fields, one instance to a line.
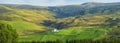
x=87, y=3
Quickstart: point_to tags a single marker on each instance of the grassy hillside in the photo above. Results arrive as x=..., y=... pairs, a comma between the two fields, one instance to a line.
x=25, y=21
x=24, y=27
x=69, y=34
x=35, y=23
x=27, y=15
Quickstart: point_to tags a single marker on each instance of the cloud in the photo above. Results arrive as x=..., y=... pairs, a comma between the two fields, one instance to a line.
x=52, y=2
x=105, y=1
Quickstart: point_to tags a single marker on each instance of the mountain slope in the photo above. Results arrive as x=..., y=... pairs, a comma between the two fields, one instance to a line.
x=92, y=8
x=99, y=20
x=25, y=20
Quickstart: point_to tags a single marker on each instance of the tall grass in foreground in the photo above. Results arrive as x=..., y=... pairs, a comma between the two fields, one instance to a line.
x=110, y=40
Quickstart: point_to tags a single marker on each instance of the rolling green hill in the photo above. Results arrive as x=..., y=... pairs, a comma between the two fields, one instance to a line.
x=36, y=23
x=25, y=20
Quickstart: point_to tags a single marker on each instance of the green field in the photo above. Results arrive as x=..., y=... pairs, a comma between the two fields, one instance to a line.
x=67, y=34
x=24, y=27
x=74, y=22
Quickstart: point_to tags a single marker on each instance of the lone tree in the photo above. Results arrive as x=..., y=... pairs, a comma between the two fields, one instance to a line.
x=7, y=34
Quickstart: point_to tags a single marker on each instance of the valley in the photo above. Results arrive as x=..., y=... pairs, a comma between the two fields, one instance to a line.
x=94, y=21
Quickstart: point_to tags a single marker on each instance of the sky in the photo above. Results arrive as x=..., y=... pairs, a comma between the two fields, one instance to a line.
x=53, y=2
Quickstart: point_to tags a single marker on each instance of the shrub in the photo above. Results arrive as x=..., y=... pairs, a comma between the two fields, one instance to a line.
x=7, y=34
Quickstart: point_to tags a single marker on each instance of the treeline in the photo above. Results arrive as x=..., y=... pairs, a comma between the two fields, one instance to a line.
x=111, y=40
